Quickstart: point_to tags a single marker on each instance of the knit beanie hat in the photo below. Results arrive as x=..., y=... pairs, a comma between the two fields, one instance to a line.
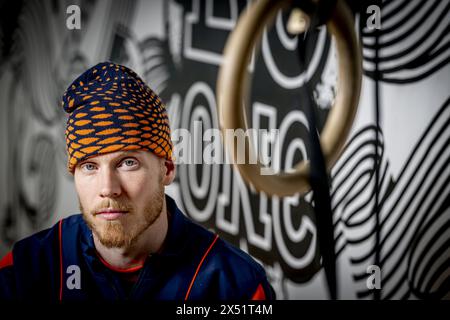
x=110, y=109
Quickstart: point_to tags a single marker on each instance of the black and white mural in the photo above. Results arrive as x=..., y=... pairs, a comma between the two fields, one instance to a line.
x=389, y=189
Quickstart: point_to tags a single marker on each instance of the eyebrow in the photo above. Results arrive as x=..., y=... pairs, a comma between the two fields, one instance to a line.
x=121, y=155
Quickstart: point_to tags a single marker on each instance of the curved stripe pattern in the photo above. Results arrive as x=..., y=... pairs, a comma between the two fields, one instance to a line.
x=414, y=213
x=413, y=40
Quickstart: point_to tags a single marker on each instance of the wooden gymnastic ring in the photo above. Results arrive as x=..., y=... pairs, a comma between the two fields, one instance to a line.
x=233, y=83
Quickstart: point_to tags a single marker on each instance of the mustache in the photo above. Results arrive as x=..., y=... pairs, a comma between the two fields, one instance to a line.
x=116, y=204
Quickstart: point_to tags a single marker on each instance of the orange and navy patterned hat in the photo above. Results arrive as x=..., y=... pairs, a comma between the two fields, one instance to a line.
x=110, y=109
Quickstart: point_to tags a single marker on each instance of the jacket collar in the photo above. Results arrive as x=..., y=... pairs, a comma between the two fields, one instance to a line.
x=176, y=238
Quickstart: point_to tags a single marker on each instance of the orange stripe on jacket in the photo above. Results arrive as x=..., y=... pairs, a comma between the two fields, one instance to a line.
x=259, y=294
x=199, y=266
x=7, y=260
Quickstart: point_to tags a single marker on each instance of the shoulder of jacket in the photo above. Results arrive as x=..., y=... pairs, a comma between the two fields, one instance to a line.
x=46, y=237
x=237, y=258
x=222, y=253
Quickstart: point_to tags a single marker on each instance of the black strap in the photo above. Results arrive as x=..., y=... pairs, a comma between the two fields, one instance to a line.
x=320, y=185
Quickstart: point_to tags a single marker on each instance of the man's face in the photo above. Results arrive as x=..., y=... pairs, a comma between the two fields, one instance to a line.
x=121, y=194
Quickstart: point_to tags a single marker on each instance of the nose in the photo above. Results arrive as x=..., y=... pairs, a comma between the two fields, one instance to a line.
x=110, y=184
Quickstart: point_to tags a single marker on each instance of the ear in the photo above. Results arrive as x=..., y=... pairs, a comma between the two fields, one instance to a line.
x=169, y=172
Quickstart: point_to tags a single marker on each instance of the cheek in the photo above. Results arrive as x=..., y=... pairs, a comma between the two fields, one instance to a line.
x=140, y=189
x=135, y=186
x=85, y=192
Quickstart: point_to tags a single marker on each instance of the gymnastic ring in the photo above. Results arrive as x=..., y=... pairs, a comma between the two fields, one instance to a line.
x=233, y=83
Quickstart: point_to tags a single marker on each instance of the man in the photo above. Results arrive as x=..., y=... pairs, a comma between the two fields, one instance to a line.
x=131, y=241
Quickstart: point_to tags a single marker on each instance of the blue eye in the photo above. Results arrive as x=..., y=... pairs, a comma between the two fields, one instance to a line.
x=88, y=166
x=129, y=163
